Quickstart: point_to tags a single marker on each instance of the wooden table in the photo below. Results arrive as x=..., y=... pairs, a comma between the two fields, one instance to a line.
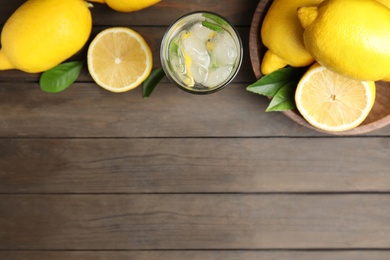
x=89, y=174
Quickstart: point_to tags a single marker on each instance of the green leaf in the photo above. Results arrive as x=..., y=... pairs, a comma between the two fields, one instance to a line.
x=152, y=81
x=268, y=90
x=174, y=47
x=212, y=26
x=215, y=18
x=270, y=84
x=60, y=77
x=281, y=86
x=284, y=99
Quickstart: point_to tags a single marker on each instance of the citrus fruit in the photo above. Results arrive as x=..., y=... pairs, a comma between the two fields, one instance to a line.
x=282, y=34
x=127, y=5
x=119, y=59
x=384, y=2
x=331, y=101
x=351, y=37
x=40, y=34
x=387, y=4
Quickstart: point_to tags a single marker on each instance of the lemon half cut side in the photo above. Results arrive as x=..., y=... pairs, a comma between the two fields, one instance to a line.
x=333, y=102
x=119, y=59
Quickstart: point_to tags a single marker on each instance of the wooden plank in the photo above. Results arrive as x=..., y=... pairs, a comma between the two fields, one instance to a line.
x=194, y=165
x=195, y=255
x=86, y=110
x=177, y=222
x=239, y=12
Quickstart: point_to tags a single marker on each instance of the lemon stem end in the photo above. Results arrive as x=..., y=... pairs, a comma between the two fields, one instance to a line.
x=88, y=4
x=271, y=62
x=307, y=14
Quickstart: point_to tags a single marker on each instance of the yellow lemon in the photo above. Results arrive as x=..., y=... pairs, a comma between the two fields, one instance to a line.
x=127, y=5
x=351, y=37
x=282, y=34
x=331, y=101
x=40, y=34
x=384, y=2
x=387, y=4
x=119, y=59
x=387, y=79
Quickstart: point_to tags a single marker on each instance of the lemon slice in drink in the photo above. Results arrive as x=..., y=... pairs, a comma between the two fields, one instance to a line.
x=333, y=102
x=119, y=59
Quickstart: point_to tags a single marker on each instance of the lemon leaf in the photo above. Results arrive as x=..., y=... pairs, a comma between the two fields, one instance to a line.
x=152, y=81
x=270, y=84
x=269, y=89
x=284, y=98
x=60, y=77
x=280, y=85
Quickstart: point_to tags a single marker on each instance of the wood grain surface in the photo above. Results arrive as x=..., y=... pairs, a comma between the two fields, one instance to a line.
x=239, y=165
x=196, y=254
x=88, y=174
x=187, y=221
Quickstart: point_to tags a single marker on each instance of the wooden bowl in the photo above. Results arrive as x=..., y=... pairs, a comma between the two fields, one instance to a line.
x=380, y=113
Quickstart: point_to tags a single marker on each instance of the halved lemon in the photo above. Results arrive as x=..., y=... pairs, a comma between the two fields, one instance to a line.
x=119, y=59
x=333, y=102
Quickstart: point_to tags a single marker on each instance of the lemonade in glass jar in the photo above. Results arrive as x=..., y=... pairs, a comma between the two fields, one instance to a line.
x=201, y=52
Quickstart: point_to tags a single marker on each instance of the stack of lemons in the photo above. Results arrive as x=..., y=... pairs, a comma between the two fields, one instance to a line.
x=41, y=34
x=348, y=43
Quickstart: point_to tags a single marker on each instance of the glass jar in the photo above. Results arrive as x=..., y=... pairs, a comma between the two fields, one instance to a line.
x=201, y=52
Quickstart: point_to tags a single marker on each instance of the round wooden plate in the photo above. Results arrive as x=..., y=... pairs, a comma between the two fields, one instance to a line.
x=380, y=113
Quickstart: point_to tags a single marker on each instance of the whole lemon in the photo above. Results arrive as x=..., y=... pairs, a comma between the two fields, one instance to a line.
x=40, y=34
x=351, y=37
x=282, y=34
x=127, y=5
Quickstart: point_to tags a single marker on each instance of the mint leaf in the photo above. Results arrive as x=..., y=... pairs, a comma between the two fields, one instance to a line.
x=212, y=26
x=60, y=77
x=152, y=81
x=174, y=47
x=215, y=18
x=284, y=99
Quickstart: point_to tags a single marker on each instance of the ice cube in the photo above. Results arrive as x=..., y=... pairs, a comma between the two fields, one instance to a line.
x=200, y=32
x=224, y=51
x=196, y=50
x=199, y=73
x=218, y=75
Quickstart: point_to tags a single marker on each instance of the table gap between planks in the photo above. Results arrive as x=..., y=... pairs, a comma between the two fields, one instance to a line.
x=88, y=174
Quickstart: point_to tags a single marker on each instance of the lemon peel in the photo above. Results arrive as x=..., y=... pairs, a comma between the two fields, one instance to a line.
x=272, y=62
x=282, y=34
x=126, y=5
x=41, y=34
x=350, y=37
